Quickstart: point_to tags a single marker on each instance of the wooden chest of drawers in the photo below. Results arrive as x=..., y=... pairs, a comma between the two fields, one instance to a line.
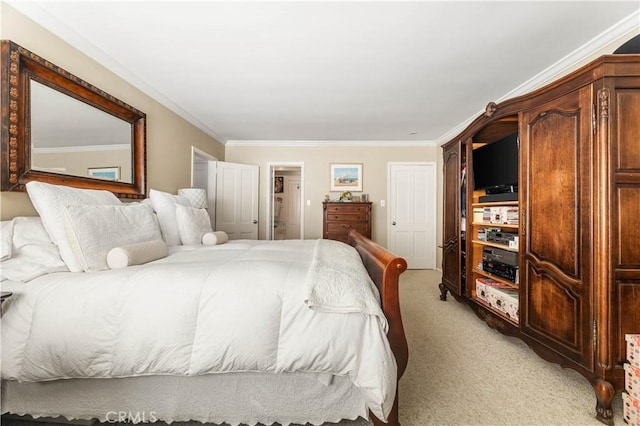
x=340, y=218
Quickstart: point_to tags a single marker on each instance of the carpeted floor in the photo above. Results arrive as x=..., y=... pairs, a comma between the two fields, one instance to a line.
x=461, y=372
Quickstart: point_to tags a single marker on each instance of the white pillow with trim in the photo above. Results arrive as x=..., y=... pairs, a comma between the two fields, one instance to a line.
x=50, y=202
x=94, y=230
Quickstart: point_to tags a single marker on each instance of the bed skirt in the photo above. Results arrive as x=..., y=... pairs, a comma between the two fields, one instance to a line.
x=234, y=398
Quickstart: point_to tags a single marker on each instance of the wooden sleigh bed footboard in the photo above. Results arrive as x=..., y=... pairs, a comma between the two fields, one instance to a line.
x=384, y=269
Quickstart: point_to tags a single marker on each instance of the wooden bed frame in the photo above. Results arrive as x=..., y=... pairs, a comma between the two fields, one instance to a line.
x=384, y=269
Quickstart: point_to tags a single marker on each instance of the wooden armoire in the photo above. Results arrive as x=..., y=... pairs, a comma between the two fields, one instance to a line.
x=578, y=230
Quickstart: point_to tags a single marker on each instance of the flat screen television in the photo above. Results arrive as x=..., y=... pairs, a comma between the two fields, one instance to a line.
x=495, y=165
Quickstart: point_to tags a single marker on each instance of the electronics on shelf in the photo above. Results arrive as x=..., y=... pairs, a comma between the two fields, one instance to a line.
x=499, y=262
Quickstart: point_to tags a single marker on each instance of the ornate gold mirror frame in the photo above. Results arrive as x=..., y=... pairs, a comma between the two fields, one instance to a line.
x=19, y=69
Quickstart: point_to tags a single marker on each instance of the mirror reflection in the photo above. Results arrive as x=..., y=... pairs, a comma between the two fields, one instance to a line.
x=73, y=138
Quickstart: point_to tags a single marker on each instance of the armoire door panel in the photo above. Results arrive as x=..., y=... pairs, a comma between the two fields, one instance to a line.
x=556, y=184
x=553, y=310
x=554, y=221
x=628, y=314
x=451, y=177
x=628, y=211
x=451, y=227
x=625, y=227
x=628, y=128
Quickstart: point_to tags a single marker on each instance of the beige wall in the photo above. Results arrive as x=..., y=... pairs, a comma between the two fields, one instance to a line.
x=316, y=162
x=78, y=163
x=169, y=137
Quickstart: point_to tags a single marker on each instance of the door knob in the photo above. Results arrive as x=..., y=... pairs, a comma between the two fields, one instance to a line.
x=255, y=221
x=393, y=223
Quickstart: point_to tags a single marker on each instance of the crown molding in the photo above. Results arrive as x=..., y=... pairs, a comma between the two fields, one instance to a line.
x=629, y=25
x=626, y=27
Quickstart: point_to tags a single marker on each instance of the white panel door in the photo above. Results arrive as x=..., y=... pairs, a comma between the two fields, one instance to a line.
x=412, y=213
x=237, y=200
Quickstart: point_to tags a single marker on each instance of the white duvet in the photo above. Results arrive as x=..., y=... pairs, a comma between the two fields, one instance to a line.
x=241, y=306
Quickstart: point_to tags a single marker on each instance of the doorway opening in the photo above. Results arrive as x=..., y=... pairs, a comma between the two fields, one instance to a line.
x=203, y=176
x=285, y=202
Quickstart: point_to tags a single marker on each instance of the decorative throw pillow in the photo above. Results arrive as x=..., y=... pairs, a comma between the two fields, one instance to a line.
x=165, y=206
x=215, y=238
x=136, y=254
x=192, y=224
x=50, y=202
x=94, y=230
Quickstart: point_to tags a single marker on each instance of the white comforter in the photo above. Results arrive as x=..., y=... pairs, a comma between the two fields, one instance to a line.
x=241, y=306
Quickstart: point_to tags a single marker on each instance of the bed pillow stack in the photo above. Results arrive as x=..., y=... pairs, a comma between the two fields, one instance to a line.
x=85, y=224
x=183, y=224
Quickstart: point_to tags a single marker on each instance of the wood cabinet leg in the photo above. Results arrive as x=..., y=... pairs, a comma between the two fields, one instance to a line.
x=443, y=291
x=604, y=395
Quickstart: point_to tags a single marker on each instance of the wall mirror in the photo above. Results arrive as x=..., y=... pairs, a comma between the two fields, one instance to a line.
x=59, y=129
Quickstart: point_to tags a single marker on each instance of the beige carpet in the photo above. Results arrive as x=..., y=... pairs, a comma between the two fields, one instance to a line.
x=461, y=372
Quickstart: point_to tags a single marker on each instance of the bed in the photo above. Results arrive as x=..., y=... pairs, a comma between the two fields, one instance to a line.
x=242, y=332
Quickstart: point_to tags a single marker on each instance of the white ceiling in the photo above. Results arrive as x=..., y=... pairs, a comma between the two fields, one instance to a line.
x=333, y=71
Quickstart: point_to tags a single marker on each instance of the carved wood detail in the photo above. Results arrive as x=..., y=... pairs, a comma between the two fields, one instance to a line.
x=18, y=67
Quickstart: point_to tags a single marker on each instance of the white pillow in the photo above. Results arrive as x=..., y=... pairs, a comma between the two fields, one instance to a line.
x=136, y=254
x=50, y=202
x=192, y=224
x=94, y=230
x=214, y=238
x=165, y=206
x=32, y=253
x=6, y=237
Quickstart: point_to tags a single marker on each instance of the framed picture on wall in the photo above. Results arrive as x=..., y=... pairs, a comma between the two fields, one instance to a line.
x=346, y=177
x=107, y=173
x=278, y=184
